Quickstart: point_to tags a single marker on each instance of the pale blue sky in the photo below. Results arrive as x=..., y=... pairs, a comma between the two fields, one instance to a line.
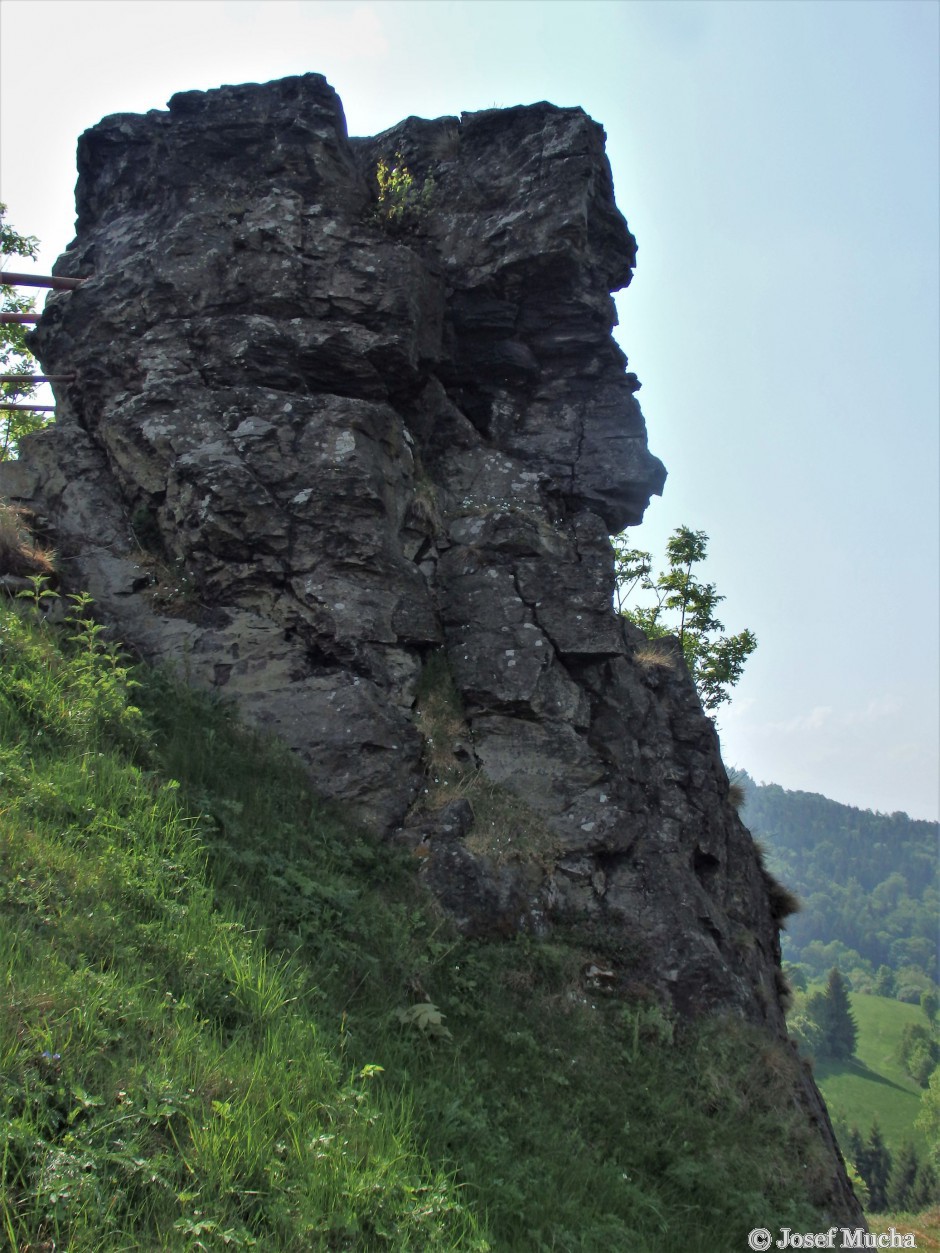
x=778, y=163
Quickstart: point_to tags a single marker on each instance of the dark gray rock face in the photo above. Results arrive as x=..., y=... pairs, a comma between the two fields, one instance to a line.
x=311, y=448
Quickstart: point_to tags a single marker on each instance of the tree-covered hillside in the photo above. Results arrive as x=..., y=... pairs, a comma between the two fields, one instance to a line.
x=867, y=883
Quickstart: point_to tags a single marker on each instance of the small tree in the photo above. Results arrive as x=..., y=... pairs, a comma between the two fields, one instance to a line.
x=885, y=982
x=832, y=1012
x=840, y=1027
x=928, y=1119
x=874, y=1166
x=806, y=1031
x=902, y=1178
x=685, y=607
x=918, y=1052
x=925, y=1191
x=15, y=358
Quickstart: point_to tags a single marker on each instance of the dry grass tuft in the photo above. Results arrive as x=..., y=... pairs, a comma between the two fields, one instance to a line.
x=736, y=796
x=655, y=655
x=505, y=828
x=783, y=902
x=20, y=554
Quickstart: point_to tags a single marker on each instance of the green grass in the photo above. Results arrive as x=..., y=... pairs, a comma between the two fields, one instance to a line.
x=212, y=1034
x=872, y=1087
x=163, y=1083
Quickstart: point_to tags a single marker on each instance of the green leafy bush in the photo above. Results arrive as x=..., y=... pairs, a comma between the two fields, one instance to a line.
x=402, y=203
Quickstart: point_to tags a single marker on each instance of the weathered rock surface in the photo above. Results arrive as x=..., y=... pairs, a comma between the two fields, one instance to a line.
x=309, y=447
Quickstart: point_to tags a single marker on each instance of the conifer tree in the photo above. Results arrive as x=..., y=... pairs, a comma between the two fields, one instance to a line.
x=928, y=1120
x=885, y=982
x=831, y=1011
x=902, y=1177
x=926, y=1188
x=875, y=1169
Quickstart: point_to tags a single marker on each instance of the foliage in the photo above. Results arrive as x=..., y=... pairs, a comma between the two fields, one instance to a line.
x=15, y=357
x=885, y=982
x=831, y=1013
x=426, y=1019
x=804, y=1028
x=919, y=1052
x=899, y=1181
x=402, y=204
x=903, y=1177
x=202, y=1046
x=872, y=1160
x=685, y=607
x=868, y=884
x=926, y=1190
x=928, y=1120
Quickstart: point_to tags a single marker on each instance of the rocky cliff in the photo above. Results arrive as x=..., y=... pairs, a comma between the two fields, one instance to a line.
x=354, y=461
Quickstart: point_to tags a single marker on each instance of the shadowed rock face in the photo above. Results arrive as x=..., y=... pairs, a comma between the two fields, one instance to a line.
x=353, y=445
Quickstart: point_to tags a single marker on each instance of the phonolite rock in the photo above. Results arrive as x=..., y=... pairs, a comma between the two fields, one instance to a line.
x=356, y=463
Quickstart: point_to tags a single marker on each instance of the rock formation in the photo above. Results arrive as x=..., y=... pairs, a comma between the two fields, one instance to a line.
x=321, y=448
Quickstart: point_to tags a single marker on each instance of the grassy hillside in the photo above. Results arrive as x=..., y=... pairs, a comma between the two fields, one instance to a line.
x=872, y=1086
x=231, y=1021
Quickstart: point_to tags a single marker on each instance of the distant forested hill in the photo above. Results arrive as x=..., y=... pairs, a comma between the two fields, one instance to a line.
x=868, y=883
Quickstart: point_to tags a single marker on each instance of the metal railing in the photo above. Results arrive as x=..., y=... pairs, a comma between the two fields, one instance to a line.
x=9, y=279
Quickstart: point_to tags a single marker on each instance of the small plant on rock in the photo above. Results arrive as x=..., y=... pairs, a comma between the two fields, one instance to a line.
x=20, y=553
x=402, y=203
x=685, y=608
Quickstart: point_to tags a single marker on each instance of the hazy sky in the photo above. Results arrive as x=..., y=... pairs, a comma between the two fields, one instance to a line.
x=778, y=162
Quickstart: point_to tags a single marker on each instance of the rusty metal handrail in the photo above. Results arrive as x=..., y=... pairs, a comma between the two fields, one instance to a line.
x=37, y=378
x=9, y=279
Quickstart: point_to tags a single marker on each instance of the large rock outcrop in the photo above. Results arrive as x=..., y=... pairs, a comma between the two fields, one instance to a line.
x=317, y=452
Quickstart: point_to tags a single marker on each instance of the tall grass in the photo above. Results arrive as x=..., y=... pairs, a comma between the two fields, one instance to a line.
x=164, y=1084
x=221, y=1012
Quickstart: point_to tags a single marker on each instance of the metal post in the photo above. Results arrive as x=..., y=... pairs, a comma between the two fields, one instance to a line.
x=29, y=408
